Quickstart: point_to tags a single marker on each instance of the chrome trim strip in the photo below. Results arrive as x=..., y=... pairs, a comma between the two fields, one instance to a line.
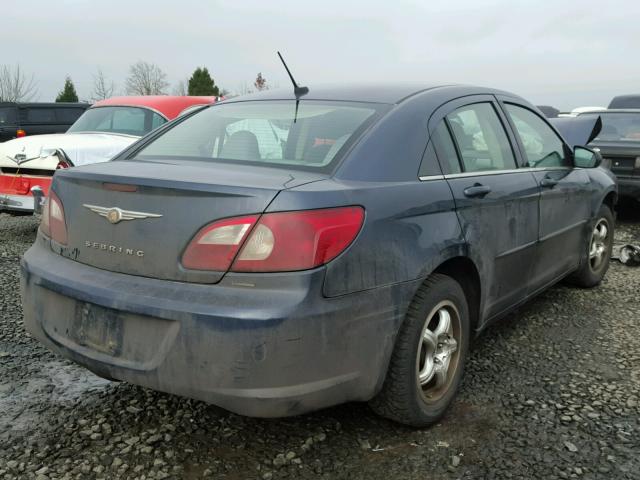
x=484, y=173
x=542, y=169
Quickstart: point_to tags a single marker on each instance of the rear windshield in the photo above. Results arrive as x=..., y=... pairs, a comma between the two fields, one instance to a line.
x=619, y=127
x=126, y=120
x=278, y=133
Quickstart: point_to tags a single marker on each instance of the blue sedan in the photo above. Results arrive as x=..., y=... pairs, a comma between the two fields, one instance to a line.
x=280, y=253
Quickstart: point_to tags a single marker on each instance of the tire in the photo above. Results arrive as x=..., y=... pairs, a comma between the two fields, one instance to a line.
x=418, y=387
x=592, y=271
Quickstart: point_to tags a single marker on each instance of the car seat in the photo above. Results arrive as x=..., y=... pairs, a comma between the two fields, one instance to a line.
x=242, y=145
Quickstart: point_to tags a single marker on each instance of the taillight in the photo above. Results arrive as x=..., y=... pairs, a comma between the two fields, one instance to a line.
x=44, y=223
x=20, y=133
x=53, y=223
x=275, y=242
x=23, y=185
x=215, y=246
x=62, y=164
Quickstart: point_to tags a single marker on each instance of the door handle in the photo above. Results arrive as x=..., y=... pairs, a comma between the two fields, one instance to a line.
x=477, y=190
x=548, y=182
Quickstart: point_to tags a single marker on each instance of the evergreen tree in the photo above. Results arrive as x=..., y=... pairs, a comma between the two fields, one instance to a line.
x=68, y=93
x=201, y=83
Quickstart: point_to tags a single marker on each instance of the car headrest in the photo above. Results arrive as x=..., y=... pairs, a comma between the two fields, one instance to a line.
x=242, y=145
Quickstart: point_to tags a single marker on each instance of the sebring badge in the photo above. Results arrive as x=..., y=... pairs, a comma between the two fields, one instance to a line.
x=115, y=214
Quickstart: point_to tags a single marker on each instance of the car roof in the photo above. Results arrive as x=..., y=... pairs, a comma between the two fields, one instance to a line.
x=391, y=93
x=167, y=105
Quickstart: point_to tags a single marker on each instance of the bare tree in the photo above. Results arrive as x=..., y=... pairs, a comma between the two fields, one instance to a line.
x=261, y=83
x=244, y=89
x=15, y=86
x=146, y=79
x=102, y=87
x=181, y=88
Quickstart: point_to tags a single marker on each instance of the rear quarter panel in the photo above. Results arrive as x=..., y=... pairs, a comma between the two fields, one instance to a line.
x=409, y=229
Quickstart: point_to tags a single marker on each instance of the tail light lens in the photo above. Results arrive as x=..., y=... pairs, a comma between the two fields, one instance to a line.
x=298, y=240
x=274, y=242
x=215, y=246
x=53, y=223
x=23, y=186
x=44, y=222
x=20, y=133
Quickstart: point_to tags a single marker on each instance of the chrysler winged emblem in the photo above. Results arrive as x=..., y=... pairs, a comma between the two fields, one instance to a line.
x=116, y=215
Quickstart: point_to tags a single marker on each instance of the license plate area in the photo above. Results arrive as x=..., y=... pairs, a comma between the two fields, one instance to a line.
x=97, y=328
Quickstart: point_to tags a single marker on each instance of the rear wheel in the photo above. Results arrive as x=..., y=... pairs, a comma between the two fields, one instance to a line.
x=599, y=249
x=427, y=361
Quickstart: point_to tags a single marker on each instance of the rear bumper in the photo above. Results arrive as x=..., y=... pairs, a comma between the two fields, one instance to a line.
x=15, y=191
x=258, y=345
x=629, y=187
x=16, y=203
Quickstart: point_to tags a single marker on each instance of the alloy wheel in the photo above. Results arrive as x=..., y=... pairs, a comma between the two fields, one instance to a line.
x=438, y=353
x=599, y=246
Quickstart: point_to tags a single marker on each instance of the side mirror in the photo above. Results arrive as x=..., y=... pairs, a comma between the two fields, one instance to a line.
x=584, y=157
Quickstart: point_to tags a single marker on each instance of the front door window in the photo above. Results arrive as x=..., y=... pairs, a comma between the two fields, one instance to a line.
x=542, y=147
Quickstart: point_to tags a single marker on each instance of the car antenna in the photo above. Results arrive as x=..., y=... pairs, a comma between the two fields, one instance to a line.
x=297, y=90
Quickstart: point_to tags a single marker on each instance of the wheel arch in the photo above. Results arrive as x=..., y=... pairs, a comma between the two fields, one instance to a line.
x=464, y=271
x=610, y=200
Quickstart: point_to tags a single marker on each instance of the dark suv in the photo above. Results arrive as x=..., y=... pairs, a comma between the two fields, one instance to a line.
x=20, y=119
x=619, y=145
x=625, y=101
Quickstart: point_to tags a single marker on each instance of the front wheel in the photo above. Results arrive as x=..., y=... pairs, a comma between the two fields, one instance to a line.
x=428, y=358
x=599, y=249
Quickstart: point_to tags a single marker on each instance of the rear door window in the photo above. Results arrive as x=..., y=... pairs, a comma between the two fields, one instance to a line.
x=445, y=149
x=481, y=139
x=542, y=146
x=8, y=116
x=41, y=115
x=68, y=115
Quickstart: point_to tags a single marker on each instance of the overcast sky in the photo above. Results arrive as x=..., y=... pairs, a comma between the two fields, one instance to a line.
x=562, y=53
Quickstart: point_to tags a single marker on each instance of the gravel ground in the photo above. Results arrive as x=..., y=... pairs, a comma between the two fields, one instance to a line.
x=551, y=392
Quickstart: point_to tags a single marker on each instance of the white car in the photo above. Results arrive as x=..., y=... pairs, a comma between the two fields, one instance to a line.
x=103, y=131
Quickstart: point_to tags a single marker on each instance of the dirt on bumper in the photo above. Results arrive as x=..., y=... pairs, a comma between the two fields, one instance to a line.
x=274, y=351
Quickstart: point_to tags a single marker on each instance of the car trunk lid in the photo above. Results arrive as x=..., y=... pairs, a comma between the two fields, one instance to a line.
x=171, y=203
